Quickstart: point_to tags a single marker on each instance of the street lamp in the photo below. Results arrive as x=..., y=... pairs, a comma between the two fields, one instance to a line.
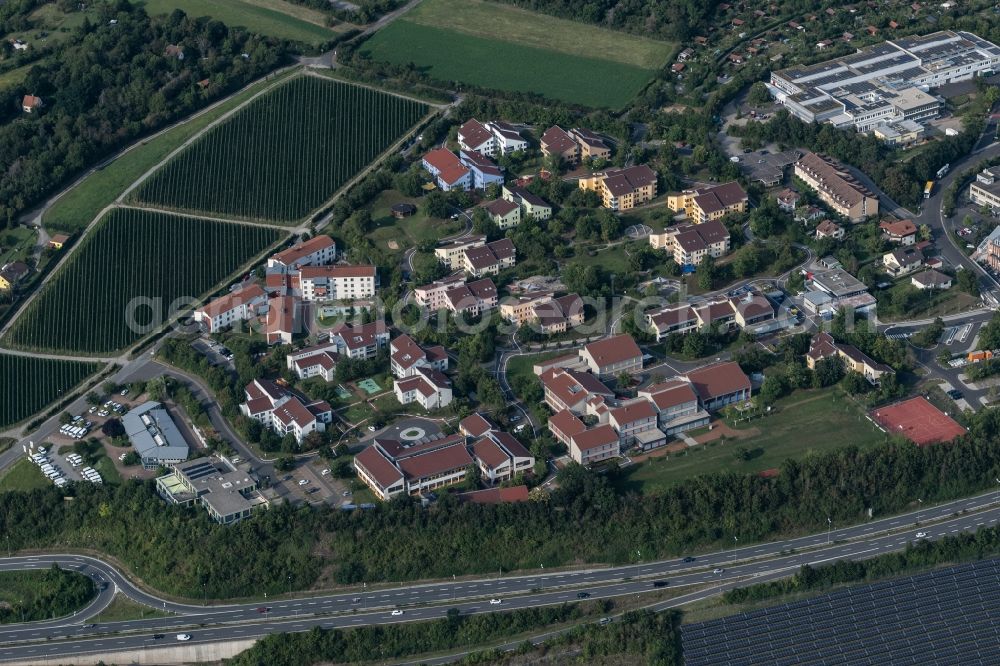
x=921, y=502
x=829, y=526
x=638, y=564
x=734, y=548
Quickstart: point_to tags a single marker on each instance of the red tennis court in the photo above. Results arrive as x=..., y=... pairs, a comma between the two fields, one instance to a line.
x=919, y=421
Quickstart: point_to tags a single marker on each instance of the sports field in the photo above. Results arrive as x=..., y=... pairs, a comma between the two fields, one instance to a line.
x=131, y=273
x=804, y=423
x=284, y=154
x=275, y=18
x=503, y=47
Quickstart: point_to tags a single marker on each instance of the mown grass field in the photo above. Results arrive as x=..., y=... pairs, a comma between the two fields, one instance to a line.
x=804, y=423
x=284, y=154
x=139, y=262
x=31, y=383
x=22, y=475
x=506, y=48
x=274, y=18
x=78, y=207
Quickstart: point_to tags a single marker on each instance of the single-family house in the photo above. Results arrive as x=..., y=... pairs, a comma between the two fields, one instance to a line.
x=612, y=356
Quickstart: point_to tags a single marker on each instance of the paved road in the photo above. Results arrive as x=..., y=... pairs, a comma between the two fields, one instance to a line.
x=759, y=561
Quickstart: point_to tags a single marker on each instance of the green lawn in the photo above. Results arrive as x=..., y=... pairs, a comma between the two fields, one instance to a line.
x=357, y=412
x=266, y=17
x=927, y=304
x=16, y=244
x=611, y=259
x=448, y=55
x=806, y=422
x=106, y=468
x=521, y=366
x=78, y=207
x=122, y=609
x=409, y=231
x=14, y=76
x=527, y=28
x=22, y=475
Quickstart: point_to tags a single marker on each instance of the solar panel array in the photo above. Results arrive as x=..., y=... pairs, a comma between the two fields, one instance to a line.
x=950, y=616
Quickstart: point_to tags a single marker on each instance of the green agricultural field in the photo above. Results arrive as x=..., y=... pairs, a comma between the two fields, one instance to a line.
x=284, y=154
x=134, y=259
x=32, y=383
x=79, y=206
x=275, y=18
x=506, y=48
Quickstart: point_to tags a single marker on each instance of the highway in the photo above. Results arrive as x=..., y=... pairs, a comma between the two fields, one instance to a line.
x=419, y=602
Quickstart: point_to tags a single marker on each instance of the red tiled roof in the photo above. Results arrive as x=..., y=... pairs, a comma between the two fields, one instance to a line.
x=232, y=300
x=898, y=228
x=473, y=133
x=567, y=423
x=293, y=411
x=513, y=446
x=439, y=461
x=476, y=425
x=496, y=495
x=636, y=411
x=610, y=351
x=602, y=435
x=718, y=379
x=490, y=453
x=557, y=140
x=670, y=394
x=570, y=386
x=378, y=467
x=314, y=272
x=299, y=250
x=500, y=207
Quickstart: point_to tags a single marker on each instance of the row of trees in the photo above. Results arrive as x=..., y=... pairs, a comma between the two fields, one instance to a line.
x=109, y=83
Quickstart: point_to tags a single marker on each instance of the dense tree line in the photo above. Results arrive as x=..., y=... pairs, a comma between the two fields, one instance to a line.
x=583, y=519
x=110, y=83
x=393, y=642
x=54, y=593
x=920, y=555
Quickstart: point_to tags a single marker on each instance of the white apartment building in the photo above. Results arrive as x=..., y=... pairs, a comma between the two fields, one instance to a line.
x=336, y=283
x=237, y=305
x=317, y=251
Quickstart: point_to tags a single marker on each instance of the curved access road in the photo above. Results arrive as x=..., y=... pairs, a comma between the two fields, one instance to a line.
x=754, y=562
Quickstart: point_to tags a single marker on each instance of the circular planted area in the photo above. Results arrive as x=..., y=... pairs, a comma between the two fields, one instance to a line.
x=412, y=434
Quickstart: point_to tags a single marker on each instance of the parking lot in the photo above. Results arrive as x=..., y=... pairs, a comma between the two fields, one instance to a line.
x=308, y=483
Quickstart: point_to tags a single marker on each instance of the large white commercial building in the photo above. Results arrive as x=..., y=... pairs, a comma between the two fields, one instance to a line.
x=886, y=83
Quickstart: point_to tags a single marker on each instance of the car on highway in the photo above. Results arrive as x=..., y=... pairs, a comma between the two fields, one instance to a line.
x=356, y=600
x=157, y=637
x=89, y=626
x=688, y=560
x=494, y=602
x=397, y=613
x=718, y=571
x=661, y=583
x=921, y=535
x=582, y=595
x=263, y=609
x=303, y=482
x=183, y=637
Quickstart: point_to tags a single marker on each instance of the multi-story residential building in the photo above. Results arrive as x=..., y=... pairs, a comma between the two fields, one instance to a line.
x=570, y=389
x=622, y=189
x=532, y=205
x=594, y=445
x=505, y=214
x=689, y=244
x=719, y=384
x=565, y=425
x=283, y=412
x=500, y=457
x=824, y=346
x=490, y=259
x=612, y=356
x=673, y=319
x=489, y=139
x=507, y=137
x=557, y=141
x=476, y=426
x=390, y=468
x=884, y=83
x=724, y=314
x=709, y=203
x=238, y=305
x=631, y=419
x=283, y=320
x=447, y=170
x=336, y=283
x=362, y=341
x=428, y=387
x=315, y=361
x=837, y=187
x=473, y=298
x=985, y=190
x=452, y=255
x=483, y=171
x=676, y=405
x=406, y=357
x=590, y=144
x=317, y=251
x=551, y=315
x=432, y=295
x=901, y=232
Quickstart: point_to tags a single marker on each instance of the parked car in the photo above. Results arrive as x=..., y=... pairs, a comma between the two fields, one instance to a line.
x=371, y=428
x=604, y=620
x=124, y=392
x=303, y=482
x=325, y=472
